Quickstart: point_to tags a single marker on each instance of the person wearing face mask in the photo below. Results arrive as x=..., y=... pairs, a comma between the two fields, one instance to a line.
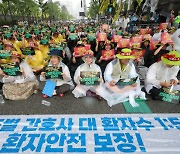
x=122, y=80
x=98, y=88
x=163, y=74
x=64, y=84
x=22, y=86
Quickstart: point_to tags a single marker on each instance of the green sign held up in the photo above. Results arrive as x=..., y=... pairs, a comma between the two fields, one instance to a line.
x=171, y=97
x=28, y=51
x=11, y=69
x=89, y=78
x=53, y=72
x=4, y=54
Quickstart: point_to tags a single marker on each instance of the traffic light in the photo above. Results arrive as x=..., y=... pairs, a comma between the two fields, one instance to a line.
x=110, y=7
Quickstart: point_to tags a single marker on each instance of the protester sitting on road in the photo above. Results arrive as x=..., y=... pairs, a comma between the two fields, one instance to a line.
x=64, y=82
x=21, y=86
x=163, y=74
x=121, y=78
x=88, y=76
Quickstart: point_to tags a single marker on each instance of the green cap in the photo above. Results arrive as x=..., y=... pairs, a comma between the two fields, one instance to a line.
x=53, y=30
x=91, y=37
x=71, y=29
x=37, y=32
x=8, y=35
x=73, y=37
x=44, y=41
x=28, y=35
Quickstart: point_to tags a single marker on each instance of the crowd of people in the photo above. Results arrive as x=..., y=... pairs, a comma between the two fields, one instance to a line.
x=120, y=63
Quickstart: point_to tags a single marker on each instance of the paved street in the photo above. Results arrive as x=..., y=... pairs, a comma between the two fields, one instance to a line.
x=70, y=105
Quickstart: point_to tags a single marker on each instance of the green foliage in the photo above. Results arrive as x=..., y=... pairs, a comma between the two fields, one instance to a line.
x=34, y=8
x=94, y=8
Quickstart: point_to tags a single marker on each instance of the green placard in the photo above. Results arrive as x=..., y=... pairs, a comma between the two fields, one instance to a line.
x=4, y=54
x=11, y=69
x=91, y=37
x=171, y=97
x=28, y=51
x=131, y=81
x=89, y=78
x=73, y=37
x=57, y=46
x=53, y=72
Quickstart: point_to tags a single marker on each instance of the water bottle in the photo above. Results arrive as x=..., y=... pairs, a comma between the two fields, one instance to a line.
x=1, y=99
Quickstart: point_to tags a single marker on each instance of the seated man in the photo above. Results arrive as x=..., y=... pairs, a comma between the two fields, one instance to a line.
x=122, y=80
x=163, y=74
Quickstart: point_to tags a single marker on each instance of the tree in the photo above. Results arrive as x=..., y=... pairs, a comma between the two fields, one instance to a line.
x=94, y=8
x=33, y=8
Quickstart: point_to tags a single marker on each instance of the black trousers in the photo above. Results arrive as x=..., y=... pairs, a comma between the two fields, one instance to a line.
x=154, y=92
x=62, y=89
x=1, y=85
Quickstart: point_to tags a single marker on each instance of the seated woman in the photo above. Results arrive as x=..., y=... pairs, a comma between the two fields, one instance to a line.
x=62, y=85
x=163, y=74
x=121, y=78
x=98, y=88
x=22, y=86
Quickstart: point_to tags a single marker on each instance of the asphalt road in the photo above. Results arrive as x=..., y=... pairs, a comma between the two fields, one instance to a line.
x=71, y=105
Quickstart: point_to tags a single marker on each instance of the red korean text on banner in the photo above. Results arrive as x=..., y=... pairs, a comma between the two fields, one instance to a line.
x=143, y=31
x=163, y=26
x=166, y=38
x=31, y=44
x=107, y=55
x=147, y=36
x=88, y=47
x=116, y=38
x=153, y=44
x=124, y=43
x=102, y=37
x=138, y=53
x=79, y=51
x=149, y=31
x=136, y=39
x=105, y=27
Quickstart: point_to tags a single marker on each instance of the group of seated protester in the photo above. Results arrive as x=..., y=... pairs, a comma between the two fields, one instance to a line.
x=89, y=60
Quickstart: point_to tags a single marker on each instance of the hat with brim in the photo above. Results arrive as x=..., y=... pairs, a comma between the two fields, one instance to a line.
x=8, y=35
x=145, y=40
x=125, y=54
x=44, y=41
x=55, y=52
x=136, y=46
x=53, y=30
x=171, y=29
x=109, y=43
x=79, y=43
x=172, y=58
x=16, y=54
x=27, y=36
x=88, y=53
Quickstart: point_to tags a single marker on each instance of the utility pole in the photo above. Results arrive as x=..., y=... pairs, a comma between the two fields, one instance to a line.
x=85, y=8
x=129, y=4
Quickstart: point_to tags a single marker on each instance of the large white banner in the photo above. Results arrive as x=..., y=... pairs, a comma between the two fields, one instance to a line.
x=91, y=134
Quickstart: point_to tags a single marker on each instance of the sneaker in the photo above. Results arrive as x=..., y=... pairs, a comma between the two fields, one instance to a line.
x=44, y=96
